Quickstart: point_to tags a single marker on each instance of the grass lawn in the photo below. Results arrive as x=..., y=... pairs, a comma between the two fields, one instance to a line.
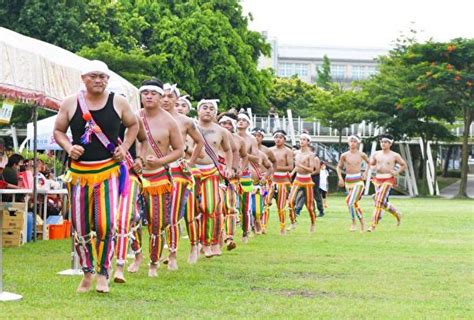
x=422, y=269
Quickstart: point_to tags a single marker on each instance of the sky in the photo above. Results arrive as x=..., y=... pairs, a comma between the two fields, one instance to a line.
x=360, y=23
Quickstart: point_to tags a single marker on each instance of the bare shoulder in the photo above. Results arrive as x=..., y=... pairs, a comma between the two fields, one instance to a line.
x=69, y=102
x=121, y=102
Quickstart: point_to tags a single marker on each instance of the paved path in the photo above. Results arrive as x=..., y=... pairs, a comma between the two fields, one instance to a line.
x=452, y=190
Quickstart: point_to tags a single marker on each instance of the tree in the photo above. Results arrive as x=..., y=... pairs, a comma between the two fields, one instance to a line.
x=295, y=94
x=449, y=70
x=324, y=74
x=339, y=108
x=402, y=106
x=203, y=45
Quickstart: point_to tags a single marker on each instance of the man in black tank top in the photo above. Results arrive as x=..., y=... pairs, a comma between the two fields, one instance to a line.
x=95, y=168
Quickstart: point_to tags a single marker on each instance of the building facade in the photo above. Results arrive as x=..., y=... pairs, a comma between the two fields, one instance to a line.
x=347, y=64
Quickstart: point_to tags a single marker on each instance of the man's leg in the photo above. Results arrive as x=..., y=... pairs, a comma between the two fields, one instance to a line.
x=81, y=213
x=231, y=216
x=308, y=192
x=282, y=190
x=352, y=199
x=157, y=208
x=381, y=195
x=245, y=214
x=291, y=204
x=300, y=201
x=178, y=196
x=128, y=208
x=209, y=204
x=191, y=227
x=105, y=206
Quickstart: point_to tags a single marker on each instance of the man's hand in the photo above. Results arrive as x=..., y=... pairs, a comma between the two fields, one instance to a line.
x=340, y=183
x=153, y=162
x=119, y=153
x=75, y=152
x=229, y=173
x=138, y=165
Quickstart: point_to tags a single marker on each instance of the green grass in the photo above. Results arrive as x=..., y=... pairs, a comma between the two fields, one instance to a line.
x=443, y=182
x=423, y=269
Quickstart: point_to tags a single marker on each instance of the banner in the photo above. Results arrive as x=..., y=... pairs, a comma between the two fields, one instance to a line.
x=6, y=111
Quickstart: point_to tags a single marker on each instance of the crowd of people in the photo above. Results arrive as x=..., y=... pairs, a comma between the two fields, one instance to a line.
x=212, y=172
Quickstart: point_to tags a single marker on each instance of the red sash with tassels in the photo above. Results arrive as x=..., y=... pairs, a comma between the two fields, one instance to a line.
x=93, y=128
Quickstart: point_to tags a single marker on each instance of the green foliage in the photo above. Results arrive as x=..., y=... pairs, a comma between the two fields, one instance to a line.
x=295, y=94
x=204, y=46
x=324, y=74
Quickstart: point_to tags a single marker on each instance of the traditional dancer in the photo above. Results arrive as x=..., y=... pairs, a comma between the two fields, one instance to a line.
x=95, y=171
x=354, y=182
x=259, y=179
x=233, y=189
x=304, y=166
x=181, y=173
x=128, y=220
x=161, y=147
x=191, y=211
x=259, y=135
x=281, y=177
x=215, y=140
x=243, y=125
x=384, y=162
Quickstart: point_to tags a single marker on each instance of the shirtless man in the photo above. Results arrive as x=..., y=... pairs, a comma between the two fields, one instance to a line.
x=182, y=179
x=216, y=140
x=259, y=135
x=281, y=177
x=384, y=163
x=304, y=166
x=243, y=124
x=232, y=191
x=352, y=161
x=95, y=168
x=160, y=148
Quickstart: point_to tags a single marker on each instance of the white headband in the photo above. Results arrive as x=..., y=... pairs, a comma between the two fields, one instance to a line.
x=151, y=88
x=279, y=133
x=353, y=137
x=387, y=139
x=212, y=102
x=245, y=117
x=306, y=136
x=226, y=118
x=186, y=101
x=171, y=88
x=95, y=66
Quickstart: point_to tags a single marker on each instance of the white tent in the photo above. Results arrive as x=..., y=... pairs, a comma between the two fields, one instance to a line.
x=35, y=71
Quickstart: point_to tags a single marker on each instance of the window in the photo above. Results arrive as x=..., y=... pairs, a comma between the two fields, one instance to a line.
x=371, y=70
x=338, y=71
x=301, y=69
x=286, y=69
x=358, y=72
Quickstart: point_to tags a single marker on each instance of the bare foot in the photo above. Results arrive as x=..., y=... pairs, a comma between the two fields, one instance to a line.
x=245, y=239
x=86, y=283
x=264, y=231
x=353, y=227
x=216, y=250
x=282, y=232
x=399, y=218
x=207, y=251
x=371, y=229
x=172, y=263
x=136, y=263
x=291, y=227
x=312, y=229
x=362, y=226
x=153, y=270
x=102, y=285
x=231, y=245
x=193, y=255
x=118, y=275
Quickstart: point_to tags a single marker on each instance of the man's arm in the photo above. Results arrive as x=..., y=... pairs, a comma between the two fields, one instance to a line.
x=367, y=161
x=243, y=155
x=340, y=166
x=253, y=154
x=401, y=162
x=129, y=120
x=60, y=128
x=176, y=143
x=225, y=145
x=198, y=141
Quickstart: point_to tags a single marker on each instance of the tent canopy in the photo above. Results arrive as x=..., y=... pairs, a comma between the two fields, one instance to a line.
x=35, y=71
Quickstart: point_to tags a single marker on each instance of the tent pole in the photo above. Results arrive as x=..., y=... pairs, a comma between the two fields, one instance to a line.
x=35, y=169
